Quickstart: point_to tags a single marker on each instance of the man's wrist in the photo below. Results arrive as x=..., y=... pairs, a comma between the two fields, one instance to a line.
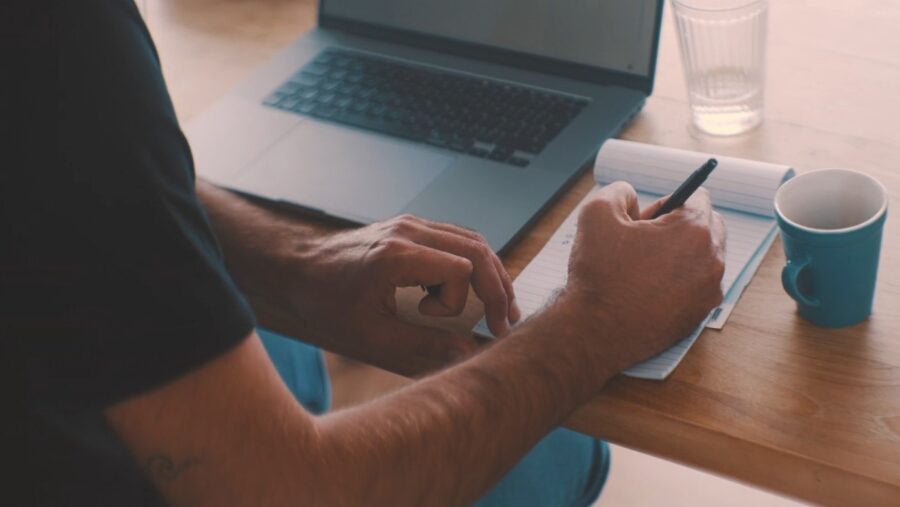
x=566, y=326
x=281, y=270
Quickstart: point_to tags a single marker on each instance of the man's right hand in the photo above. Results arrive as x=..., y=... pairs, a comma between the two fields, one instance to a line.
x=649, y=281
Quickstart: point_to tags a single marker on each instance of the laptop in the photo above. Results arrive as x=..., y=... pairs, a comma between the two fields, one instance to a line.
x=472, y=112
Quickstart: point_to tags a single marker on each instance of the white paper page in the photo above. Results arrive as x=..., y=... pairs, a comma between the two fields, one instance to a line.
x=739, y=184
x=719, y=316
x=548, y=272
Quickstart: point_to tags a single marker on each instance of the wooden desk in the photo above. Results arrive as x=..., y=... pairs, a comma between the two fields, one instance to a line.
x=770, y=400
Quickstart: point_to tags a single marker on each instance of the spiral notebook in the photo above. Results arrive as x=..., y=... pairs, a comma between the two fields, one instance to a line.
x=742, y=191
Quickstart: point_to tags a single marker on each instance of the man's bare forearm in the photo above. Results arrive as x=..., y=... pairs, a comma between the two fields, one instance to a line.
x=257, y=242
x=229, y=433
x=446, y=440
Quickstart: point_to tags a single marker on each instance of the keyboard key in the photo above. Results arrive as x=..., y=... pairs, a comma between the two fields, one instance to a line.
x=304, y=108
x=324, y=111
x=518, y=161
x=315, y=69
x=290, y=87
x=479, y=152
x=437, y=139
x=501, y=153
x=360, y=107
x=288, y=103
x=306, y=79
x=343, y=102
x=458, y=144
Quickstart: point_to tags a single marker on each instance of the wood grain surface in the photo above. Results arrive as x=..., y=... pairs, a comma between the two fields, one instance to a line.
x=770, y=400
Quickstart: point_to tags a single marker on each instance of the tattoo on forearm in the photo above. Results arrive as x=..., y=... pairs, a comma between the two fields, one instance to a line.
x=164, y=467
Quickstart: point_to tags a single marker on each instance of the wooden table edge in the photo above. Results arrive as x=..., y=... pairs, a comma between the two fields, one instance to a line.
x=752, y=463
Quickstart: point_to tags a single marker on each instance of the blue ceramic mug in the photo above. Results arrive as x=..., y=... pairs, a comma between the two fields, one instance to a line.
x=831, y=222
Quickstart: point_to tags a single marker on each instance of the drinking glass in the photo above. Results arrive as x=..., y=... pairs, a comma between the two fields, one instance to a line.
x=723, y=51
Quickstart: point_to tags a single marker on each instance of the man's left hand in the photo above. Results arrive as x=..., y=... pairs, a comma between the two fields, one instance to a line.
x=346, y=283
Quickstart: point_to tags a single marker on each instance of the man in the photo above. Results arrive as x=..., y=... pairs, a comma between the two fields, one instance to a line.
x=144, y=379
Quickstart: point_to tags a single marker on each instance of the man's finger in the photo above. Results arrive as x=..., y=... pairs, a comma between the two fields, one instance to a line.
x=719, y=233
x=648, y=212
x=698, y=207
x=487, y=273
x=455, y=229
x=513, y=312
x=421, y=265
x=700, y=202
x=621, y=198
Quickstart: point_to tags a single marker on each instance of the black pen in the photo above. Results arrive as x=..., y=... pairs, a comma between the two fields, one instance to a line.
x=684, y=192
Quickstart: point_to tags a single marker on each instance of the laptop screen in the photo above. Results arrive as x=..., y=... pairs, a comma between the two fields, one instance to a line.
x=610, y=34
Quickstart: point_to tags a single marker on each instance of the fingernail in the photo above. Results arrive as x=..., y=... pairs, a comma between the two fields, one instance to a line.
x=516, y=313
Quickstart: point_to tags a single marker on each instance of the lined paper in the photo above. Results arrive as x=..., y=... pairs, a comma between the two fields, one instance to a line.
x=738, y=184
x=742, y=192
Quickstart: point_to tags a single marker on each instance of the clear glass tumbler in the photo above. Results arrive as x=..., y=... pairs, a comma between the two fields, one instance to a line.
x=723, y=50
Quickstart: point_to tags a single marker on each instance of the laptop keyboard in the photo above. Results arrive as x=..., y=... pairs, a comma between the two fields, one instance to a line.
x=489, y=119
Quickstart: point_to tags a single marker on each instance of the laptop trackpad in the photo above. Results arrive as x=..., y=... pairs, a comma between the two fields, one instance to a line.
x=344, y=172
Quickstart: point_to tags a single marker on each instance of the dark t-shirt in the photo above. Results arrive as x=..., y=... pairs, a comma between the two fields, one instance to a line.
x=112, y=281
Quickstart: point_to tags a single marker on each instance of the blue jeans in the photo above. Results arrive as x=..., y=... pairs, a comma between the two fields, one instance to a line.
x=564, y=469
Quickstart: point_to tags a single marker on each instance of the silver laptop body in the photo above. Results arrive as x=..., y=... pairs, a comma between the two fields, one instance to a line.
x=600, y=56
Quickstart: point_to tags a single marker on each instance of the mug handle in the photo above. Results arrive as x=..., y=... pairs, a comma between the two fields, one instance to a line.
x=789, y=276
